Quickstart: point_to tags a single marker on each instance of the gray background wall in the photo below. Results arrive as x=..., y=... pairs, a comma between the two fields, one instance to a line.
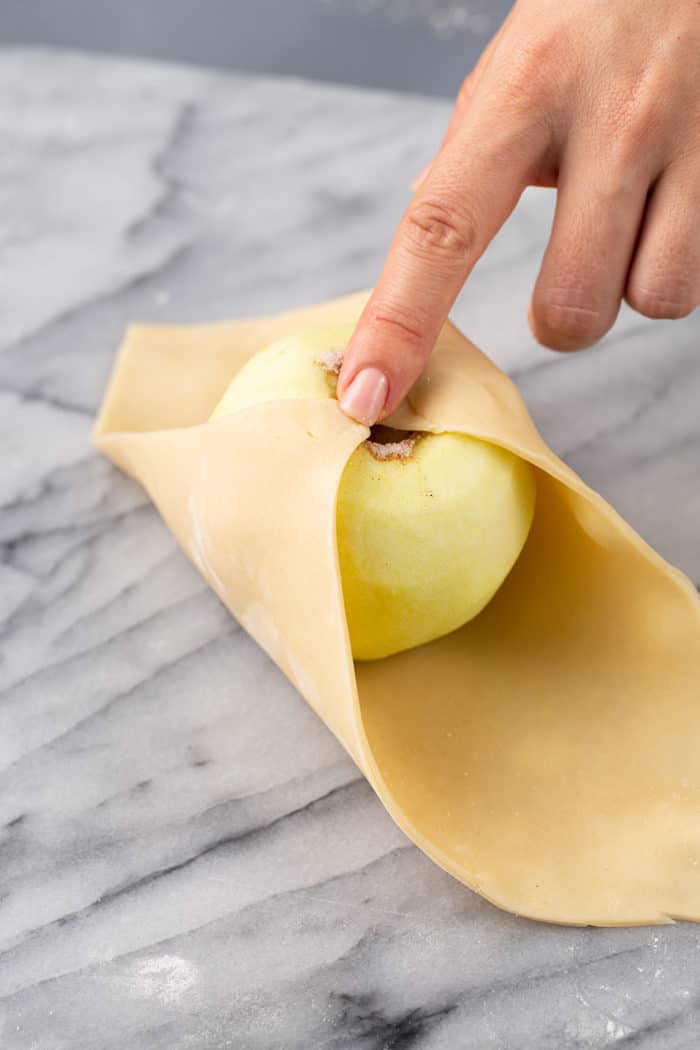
x=410, y=45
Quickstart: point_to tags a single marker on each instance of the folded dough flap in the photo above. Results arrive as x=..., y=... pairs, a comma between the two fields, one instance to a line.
x=548, y=753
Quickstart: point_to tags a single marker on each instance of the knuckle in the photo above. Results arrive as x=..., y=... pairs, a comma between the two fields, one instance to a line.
x=635, y=112
x=633, y=129
x=436, y=228
x=525, y=103
x=532, y=65
x=667, y=302
x=565, y=321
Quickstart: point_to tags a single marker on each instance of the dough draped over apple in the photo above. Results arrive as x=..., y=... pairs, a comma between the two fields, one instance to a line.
x=547, y=752
x=428, y=525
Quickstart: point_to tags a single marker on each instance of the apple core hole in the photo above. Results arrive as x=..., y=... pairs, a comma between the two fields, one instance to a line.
x=386, y=443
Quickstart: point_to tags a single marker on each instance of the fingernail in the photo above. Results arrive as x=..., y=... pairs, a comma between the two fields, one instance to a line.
x=420, y=177
x=366, y=396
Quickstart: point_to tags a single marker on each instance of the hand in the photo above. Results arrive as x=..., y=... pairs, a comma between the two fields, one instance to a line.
x=600, y=98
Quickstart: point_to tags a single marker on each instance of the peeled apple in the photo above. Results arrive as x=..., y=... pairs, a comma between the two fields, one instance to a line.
x=428, y=525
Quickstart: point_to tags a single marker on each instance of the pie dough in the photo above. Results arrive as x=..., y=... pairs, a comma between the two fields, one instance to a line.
x=547, y=754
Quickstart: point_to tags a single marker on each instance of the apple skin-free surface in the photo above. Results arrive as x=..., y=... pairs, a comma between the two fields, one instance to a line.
x=427, y=528
x=547, y=753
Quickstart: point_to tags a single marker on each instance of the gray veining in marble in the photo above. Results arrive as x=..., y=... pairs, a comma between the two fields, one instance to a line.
x=172, y=875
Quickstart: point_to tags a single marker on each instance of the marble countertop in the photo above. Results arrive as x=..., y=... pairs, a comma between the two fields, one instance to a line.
x=171, y=875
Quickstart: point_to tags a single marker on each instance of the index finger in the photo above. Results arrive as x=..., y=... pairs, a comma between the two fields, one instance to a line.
x=471, y=189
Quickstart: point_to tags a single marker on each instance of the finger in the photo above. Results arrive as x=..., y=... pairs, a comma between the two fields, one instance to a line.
x=464, y=96
x=664, y=279
x=470, y=85
x=581, y=282
x=472, y=188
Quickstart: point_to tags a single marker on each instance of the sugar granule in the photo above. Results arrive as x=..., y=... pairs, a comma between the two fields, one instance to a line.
x=331, y=360
x=392, y=449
